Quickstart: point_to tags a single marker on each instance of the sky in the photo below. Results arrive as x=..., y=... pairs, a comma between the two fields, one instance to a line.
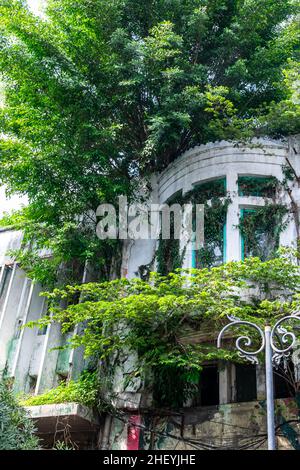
x=35, y=5
x=8, y=204
x=15, y=202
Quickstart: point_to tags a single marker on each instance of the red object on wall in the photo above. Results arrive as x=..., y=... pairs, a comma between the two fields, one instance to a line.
x=133, y=432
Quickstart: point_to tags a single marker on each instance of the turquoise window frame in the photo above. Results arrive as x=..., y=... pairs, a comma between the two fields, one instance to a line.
x=193, y=261
x=193, y=255
x=225, y=242
x=258, y=177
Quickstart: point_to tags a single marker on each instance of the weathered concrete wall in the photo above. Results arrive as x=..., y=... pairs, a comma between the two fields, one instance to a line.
x=23, y=352
x=262, y=157
x=232, y=426
x=9, y=240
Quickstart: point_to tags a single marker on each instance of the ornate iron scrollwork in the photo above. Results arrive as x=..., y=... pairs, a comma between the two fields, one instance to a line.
x=244, y=341
x=284, y=337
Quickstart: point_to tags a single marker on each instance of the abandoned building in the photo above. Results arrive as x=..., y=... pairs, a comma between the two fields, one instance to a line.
x=233, y=395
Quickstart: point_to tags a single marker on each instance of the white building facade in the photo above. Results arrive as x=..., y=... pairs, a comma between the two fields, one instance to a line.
x=27, y=355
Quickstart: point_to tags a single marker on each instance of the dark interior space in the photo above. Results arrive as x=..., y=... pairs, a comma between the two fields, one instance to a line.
x=209, y=386
x=245, y=382
x=284, y=381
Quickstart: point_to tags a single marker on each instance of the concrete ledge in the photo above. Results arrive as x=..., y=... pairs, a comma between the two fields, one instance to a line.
x=77, y=410
x=54, y=422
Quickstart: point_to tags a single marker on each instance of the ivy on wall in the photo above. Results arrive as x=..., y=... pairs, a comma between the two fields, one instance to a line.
x=259, y=186
x=169, y=255
x=72, y=247
x=214, y=197
x=260, y=227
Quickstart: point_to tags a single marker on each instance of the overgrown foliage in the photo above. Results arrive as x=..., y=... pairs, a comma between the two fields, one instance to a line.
x=16, y=428
x=261, y=228
x=261, y=186
x=85, y=390
x=213, y=195
x=169, y=256
x=152, y=318
x=97, y=94
x=52, y=254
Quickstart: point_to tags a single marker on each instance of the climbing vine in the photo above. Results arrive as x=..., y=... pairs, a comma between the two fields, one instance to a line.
x=257, y=186
x=212, y=253
x=169, y=256
x=215, y=199
x=261, y=228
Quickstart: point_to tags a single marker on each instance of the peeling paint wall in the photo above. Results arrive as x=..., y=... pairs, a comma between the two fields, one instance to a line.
x=232, y=426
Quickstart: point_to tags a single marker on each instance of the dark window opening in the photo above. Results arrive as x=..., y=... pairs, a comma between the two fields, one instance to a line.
x=213, y=252
x=209, y=386
x=259, y=186
x=210, y=193
x=284, y=381
x=5, y=279
x=62, y=365
x=245, y=381
x=169, y=255
x=42, y=331
x=18, y=327
x=260, y=231
x=75, y=299
x=62, y=378
x=32, y=383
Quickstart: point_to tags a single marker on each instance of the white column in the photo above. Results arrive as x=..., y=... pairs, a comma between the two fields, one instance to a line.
x=47, y=376
x=225, y=383
x=28, y=336
x=233, y=242
x=9, y=312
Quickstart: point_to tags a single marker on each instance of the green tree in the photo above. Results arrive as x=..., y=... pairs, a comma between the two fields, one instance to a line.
x=153, y=319
x=284, y=117
x=16, y=428
x=98, y=94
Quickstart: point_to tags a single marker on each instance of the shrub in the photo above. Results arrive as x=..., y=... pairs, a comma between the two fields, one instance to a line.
x=16, y=428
